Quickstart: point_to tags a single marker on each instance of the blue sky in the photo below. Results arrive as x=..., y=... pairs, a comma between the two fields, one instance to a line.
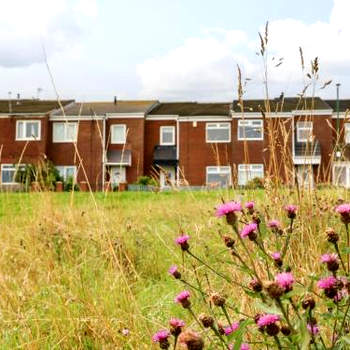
x=169, y=50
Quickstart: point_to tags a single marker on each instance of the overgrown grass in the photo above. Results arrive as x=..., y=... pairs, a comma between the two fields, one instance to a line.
x=76, y=270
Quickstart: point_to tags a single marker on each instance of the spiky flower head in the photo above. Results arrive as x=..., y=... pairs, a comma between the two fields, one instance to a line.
x=285, y=280
x=249, y=231
x=231, y=328
x=344, y=211
x=291, y=210
x=182, y=241
x=174, y=271
x=183, y=299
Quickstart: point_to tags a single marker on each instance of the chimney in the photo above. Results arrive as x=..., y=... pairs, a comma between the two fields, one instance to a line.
x=10, y=102
x=115, y=100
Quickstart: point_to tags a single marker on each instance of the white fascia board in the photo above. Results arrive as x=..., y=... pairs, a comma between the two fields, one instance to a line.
x=63, y=118
x=255, y=115
x=205, y=118
x=342, y=115
x=125, y=115
x=313, y=112
x=162, y=117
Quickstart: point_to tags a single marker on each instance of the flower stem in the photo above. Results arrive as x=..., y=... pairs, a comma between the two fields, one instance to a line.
x=226, y=314
x=340, y=258
x=217, y=333
x=289, y=234
x=217, y=273
x=348, y=246
x=345, y=316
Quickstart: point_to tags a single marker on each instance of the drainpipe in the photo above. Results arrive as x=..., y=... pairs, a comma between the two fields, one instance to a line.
x=103, y=151
x=177, y=150
x=337, y=108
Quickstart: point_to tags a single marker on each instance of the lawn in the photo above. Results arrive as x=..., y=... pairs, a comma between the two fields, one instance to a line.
x=78, y=270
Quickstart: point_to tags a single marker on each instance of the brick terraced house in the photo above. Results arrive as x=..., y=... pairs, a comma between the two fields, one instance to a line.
x=180, y=143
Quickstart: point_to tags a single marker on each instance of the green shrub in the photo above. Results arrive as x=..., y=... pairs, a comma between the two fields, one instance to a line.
x=146, y=181
x=255, y=183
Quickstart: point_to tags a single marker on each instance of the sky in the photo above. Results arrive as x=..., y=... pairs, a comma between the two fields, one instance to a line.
x=169, y=49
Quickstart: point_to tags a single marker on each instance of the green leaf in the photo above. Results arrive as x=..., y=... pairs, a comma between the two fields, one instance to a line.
x=270, y=309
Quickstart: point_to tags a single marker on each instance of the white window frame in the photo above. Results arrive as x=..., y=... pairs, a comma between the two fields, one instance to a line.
x=218, y=126
x=16, y=167
x=65, y=139
x=221, y=170
x=172, y=128
x=65, y=168
x=250, y=122
x=346, y=133
x=249, y=168
x=30, y=138
x=301, y=126
x=113, y=141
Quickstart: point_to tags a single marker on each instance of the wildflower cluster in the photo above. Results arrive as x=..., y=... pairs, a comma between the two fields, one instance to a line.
x=290, y=309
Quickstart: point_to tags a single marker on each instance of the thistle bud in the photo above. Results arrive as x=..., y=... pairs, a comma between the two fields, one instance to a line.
x=207, y=321
x=218, y=300
x=332, y=236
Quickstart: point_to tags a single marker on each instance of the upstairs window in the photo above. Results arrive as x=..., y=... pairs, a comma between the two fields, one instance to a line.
x=247, y=172
x=118, y=133
x=250, y=130
x=304, y=131
x=219, y=176
x=167, y=135
x=347, y=133
x=28, y=130
x=218, y=132
x=65, y=132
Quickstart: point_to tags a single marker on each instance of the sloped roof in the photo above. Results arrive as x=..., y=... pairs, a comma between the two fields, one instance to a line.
x=30, y=106
x=286, y=104
x=100, y=108
x=343, y=105
x=191, y=109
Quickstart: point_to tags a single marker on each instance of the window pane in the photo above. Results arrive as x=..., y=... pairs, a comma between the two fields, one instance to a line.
x=70, y=172
x=340, y=175
x=20, y=130
x=118, y=133
x=32, y=130
x=218, y=134
x=249, y=172
x=167, y=135
x=72, y=132
x=7, y=175
x=58, y=130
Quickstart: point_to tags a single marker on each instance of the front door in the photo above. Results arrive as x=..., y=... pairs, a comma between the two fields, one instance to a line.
x=167, y=176
x=305, y=176
x=118, y=175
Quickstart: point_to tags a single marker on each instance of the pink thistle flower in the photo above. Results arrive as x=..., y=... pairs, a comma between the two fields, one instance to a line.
x=267, y=319
x=344, y=211
x=176, y=326
x=249, y=205
x=182, y=241
x=183, y=299
x=274, y=224
x=285, y=280
x=161, y=336
x=249, y=231
x=276, y=256
x=230, y=329
x=327, y=282
x=291, y=210
x=227, y=208
x=245, y=346
x=174, y=271
x=176, y=322
x=329, y=258
x=313, y=329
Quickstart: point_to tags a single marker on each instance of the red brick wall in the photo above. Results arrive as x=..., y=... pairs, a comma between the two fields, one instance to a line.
x=152, y=139
x=134, y=142
x=12, y=149
x=89, y=146
x=322, y=131
x=196, y=154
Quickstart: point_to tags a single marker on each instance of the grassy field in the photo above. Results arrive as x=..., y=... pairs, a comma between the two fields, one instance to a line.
x=76, y=269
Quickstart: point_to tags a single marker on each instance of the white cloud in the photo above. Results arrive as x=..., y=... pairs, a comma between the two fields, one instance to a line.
x=27, y=26
x=204, y=67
